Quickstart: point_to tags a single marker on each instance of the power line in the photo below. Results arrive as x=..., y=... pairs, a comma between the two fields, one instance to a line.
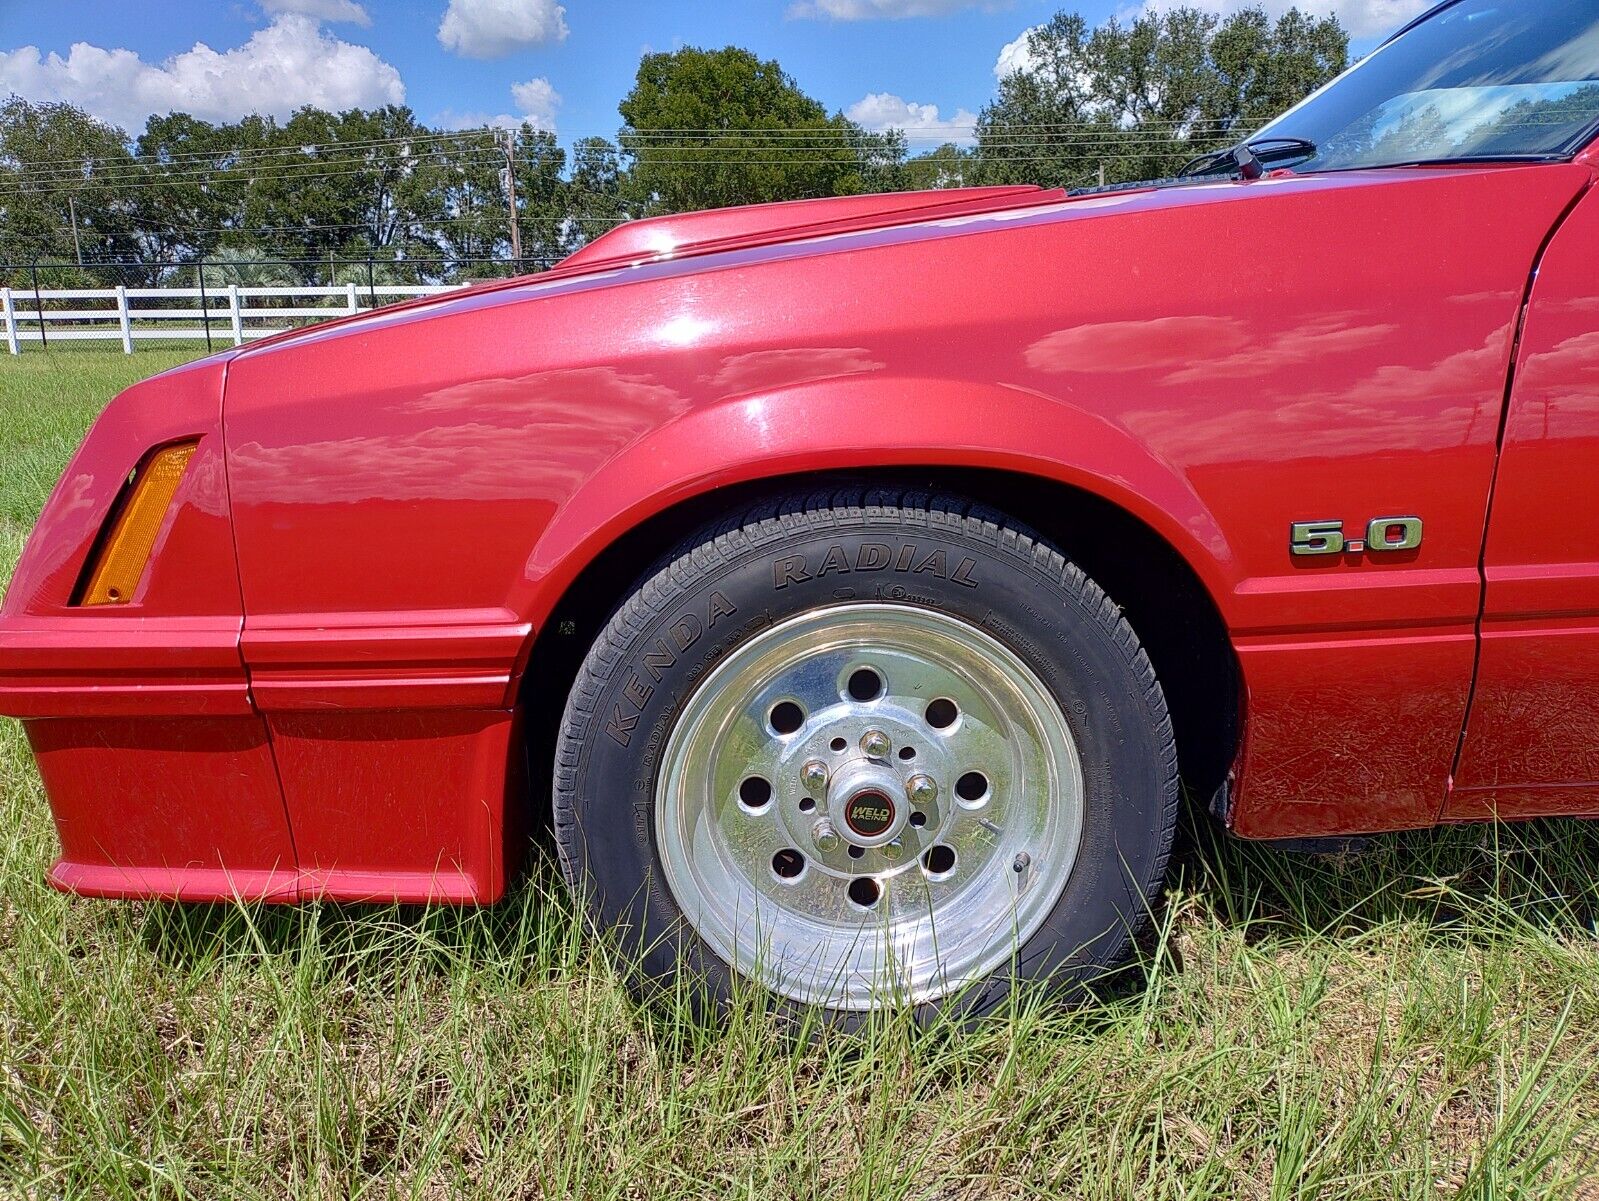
x=473, y=218
x=184, y=170
x=234, y=157
x=855, y=137
x=339, y=145
x=424, y=137
x=1136, y=143
x=287, y=172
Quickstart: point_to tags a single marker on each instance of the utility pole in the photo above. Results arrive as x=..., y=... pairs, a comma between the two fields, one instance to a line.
x=510, y=193
x=72, y=207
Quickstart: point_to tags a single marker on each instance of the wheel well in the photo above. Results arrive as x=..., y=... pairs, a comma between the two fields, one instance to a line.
x=1161, y=597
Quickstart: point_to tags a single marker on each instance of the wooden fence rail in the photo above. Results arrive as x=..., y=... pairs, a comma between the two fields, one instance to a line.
x=224, y=314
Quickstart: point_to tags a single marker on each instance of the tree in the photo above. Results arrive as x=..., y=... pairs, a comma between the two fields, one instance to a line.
x=1048, y=124
x=336, y=184
x=1259, y=69
x=542, y=196
x=709, y=128
x=185, y=197
x=1139, y=98
x=598, y=191
x=56, y=160
x=322, y=184
x=949, y=166
x=460, y=200
x=249, y=268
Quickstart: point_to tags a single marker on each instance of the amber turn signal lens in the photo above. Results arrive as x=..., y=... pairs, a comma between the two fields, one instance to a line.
x=126, y=551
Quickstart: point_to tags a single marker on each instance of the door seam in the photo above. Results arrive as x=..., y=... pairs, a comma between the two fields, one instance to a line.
x=1493, y=483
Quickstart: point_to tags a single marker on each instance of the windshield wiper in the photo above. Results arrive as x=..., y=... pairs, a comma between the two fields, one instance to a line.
x=1248, y=159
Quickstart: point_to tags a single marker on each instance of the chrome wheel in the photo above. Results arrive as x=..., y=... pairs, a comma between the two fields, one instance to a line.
x=869, y=803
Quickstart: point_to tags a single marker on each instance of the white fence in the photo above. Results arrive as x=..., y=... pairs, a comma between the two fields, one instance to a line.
x=227, y=314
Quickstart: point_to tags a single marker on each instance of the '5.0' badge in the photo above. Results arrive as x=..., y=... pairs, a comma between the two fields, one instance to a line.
x=1384, y=535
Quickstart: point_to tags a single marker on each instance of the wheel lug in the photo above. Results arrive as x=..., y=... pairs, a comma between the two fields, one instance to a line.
x=824, y=836
x=814, y=776
x=921, y=790
x=892, y=851
x=875, y=744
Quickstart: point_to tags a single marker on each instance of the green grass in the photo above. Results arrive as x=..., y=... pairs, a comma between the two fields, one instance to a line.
x=1419, y=1022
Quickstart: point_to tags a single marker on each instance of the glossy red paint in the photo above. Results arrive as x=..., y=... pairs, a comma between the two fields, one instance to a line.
x=186, y=808
x=412, y=492
x=425, y=790
x=757, y=224
x=1532, y=746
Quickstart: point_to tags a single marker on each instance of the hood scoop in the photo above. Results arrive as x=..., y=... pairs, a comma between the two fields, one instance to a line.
x=658, y=239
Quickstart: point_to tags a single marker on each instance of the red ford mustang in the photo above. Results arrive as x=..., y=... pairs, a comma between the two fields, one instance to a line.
x=858, y=575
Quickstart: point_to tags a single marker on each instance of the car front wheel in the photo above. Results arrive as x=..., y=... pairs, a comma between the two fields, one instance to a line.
x=867, y=750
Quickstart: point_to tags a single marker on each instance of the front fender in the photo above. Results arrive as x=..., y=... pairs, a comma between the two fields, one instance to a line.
x=864, y=423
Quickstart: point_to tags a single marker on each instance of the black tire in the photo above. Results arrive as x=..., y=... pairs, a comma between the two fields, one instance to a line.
x=1017, y=588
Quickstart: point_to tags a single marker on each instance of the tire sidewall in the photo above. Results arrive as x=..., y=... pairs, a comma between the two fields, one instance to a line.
x=689, y=616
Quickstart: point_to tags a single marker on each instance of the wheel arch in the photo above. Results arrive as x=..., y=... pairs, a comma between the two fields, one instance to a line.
x=1164, y=598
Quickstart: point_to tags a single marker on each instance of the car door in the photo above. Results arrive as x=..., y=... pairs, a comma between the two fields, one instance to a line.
x=1532, y=737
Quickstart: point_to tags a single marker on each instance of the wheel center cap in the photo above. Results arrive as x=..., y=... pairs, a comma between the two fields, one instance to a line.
x=869, y=813
x=867, y=800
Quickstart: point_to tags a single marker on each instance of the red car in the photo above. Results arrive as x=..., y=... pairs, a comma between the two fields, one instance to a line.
x=859, y=576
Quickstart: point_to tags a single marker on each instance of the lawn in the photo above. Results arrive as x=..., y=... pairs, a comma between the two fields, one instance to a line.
x=1420, y=1021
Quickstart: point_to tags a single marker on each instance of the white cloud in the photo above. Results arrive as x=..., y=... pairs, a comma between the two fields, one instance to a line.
x=1015, y=56
x=495, y=28
x=291, y=62
x=1363, y=18
x=880, y=111
x=322, y=10
x=537, y=101
x=873, y=10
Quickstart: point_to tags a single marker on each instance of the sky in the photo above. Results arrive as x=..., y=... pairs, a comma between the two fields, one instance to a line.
x=925, y=66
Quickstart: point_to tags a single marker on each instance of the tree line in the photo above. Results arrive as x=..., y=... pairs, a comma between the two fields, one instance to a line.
x=307, y=197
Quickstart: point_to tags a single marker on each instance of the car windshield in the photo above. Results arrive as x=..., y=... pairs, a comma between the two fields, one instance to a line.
x=1480, y=79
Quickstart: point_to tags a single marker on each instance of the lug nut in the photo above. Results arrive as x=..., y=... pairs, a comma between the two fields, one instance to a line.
x=921, y=790
x=814, y=776
x=875, y=743
x=824, y=836
x=892, y=850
